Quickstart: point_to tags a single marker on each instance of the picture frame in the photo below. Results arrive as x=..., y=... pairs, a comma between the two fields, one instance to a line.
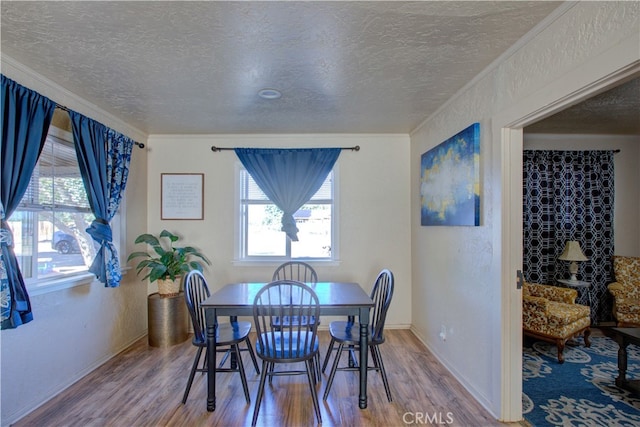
x=182, y=196
x=450, y=181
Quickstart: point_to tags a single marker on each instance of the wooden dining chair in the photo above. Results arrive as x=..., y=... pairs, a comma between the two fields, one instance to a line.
x=302, y=272
x=288, y=343
x=228, y=338
x=296, y=270
x=347, y=334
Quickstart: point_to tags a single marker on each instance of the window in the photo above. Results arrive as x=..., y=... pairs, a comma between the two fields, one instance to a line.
x=50, y=240
x=261, y=237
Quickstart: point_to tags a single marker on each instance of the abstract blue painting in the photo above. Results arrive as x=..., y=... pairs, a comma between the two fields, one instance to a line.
x=450, y=180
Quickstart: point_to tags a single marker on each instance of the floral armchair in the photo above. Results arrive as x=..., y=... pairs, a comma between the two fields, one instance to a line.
x=626, y=290
x=549, y=313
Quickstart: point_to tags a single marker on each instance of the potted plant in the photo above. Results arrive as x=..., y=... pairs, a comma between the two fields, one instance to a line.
x=167, y=263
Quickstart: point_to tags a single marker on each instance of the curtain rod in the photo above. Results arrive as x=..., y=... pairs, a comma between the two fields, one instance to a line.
x=65, y=108
x=215, y=149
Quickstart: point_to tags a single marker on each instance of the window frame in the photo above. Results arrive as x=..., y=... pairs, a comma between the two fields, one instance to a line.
x=36, y=286
x=241, y=221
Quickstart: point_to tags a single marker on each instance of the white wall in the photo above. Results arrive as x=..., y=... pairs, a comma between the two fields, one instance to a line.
x=373, y=192
x=626, y=210
x=73, y=330
x=458, y=278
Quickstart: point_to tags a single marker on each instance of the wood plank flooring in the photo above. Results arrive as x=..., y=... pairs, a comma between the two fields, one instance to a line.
x=143, y=386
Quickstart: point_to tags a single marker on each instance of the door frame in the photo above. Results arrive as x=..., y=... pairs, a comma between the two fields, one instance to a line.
x=509, y=126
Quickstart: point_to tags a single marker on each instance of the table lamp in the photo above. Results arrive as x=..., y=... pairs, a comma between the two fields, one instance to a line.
x=572, y=252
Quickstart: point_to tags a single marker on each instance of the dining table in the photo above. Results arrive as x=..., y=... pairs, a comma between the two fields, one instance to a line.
x=335, y=299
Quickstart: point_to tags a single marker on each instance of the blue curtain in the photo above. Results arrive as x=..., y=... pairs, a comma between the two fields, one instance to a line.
x=289, y=177
x=26, y=116
x=569, y=195
x=103, y=157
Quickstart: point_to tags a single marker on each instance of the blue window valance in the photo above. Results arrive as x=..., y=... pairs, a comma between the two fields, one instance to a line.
x=289, y=177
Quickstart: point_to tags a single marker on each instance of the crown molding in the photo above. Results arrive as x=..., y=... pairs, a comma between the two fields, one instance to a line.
x=523, y=41
x=58, y=94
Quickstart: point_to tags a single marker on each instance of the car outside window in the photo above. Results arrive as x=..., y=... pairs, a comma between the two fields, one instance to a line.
x=49, y=225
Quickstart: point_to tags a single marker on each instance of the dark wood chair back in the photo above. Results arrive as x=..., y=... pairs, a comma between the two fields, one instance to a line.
x=381, y=295
x=296, y=270
x=290, y=341
x=196, y=291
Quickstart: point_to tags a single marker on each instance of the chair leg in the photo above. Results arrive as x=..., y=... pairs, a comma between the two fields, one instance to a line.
x=196, y=360
x=587, y=342
x=377, y=356
x=263, y=377
x=314, y=370
x=326, y=358
x=334, y=368
x=317, y=366
x=272, y=367
x=376, y=365
x=315, y=363
x=312, y=387
x=353, y=359
x=224, y=358
x=253, y=355
x=560, y=344
x=243, y=376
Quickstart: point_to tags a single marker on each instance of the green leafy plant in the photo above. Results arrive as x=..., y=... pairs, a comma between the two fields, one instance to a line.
x=167, y=261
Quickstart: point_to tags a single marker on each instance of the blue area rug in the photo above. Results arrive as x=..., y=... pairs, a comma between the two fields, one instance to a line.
x=581, y=391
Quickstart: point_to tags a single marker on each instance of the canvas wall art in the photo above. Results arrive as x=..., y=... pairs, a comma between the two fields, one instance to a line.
x=450, y=180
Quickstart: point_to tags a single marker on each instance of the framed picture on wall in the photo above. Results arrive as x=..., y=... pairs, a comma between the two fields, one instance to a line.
x=182, y=196
x=450, y=180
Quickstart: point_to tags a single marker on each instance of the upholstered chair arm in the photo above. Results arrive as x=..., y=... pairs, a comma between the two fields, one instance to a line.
x=616, y=289
x=628, y=307
x=633, y=292
x=624, y=290
x=567, y=296
x=535, y=304
x=534, y=311
x=553, y=293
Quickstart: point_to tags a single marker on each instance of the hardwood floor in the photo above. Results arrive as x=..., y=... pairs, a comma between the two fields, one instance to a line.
x=143, y=386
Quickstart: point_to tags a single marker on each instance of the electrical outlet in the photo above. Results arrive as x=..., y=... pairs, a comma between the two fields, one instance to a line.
x=443, y=333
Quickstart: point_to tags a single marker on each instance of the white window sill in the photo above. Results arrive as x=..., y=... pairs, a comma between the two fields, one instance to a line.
x=53, y=285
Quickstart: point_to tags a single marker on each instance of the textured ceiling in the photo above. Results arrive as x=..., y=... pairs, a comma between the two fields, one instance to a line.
x=616, y=111
x=196, y=67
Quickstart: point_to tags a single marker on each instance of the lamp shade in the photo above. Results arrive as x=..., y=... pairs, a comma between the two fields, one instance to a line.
x=572, y=252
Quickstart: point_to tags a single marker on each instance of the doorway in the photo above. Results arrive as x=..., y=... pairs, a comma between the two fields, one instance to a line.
x=511, y=139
